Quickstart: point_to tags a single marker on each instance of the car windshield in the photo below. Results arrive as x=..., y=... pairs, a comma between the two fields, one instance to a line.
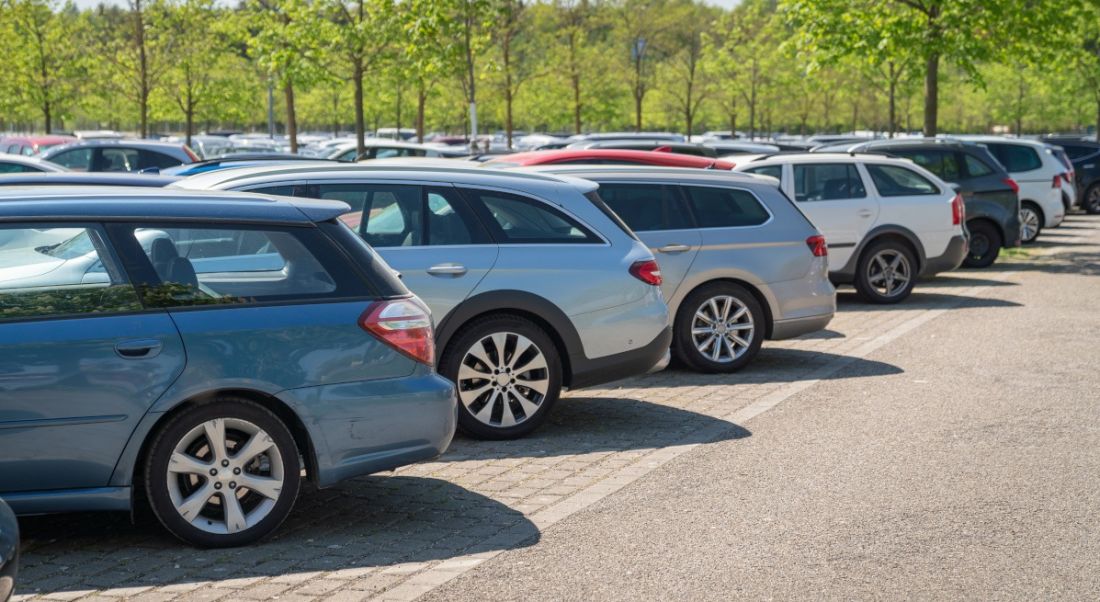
x=77, y=246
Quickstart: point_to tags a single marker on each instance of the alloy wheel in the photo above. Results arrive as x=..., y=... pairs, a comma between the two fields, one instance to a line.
x=503, y=379
x=225, y=476
x=1092, y=203
x=1029, y=224
x=889, y=272
x=722, y=329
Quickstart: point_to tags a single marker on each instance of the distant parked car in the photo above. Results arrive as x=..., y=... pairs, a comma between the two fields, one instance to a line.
x=16, y=164
x=888, y=221
x=598, y=156
x=208, y=147
x=664, y=146
x=9, y=551
x=384, y=149
x=119, y=155
x=534, y=287
x=73, y=178
x=739, y=262
x=990, y=194
x=1085, y=158
x=32, y=145
x=201, y=356
x=240, y=160
x=628, y=136
x=729, y=148
x=1039, y=174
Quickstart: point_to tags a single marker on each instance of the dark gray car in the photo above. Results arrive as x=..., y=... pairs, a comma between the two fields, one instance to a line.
x=120, y=155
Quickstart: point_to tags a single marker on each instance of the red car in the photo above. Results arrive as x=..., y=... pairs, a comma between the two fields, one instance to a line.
x=608, y=157
x=32, y=145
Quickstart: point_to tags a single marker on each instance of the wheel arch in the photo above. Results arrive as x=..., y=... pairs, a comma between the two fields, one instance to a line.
x=1038, y=209
x=769, y=319
x=890, y=232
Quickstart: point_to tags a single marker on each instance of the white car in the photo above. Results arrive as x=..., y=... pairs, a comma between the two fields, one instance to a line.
x=1039, y=173
x=377, y=148
x=886, y=221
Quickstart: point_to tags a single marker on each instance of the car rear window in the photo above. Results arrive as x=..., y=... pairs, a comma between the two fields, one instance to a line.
x=1016, y=157
x=725, y=207
x=647, y=207
x=598, y=201
x=975, y=167
x=893, y=180
x=1080, y=151
x=521, y=220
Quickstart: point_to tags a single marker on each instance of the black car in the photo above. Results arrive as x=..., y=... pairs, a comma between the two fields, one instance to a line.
x=9, y=551
x=990, y=194
x=1085, y=157
x=119, y=155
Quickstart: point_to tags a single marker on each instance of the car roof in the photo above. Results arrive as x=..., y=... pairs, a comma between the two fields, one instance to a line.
x=652, y=172
x=825, y=157
x=660, y=158
x=134, y=142
x=458, y=172
x=144, y=204
x=1002, y=140
x=62, y=178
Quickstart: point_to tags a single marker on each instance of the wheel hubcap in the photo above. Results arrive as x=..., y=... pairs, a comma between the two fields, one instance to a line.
x=225, y=475
x=503, y=379
x=722, y=329
x=1029, y=224
x=889, y=272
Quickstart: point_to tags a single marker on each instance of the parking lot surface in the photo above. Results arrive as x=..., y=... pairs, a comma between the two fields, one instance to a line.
x=940, y=447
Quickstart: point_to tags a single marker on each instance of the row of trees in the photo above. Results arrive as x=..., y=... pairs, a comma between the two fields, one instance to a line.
x=559, y=65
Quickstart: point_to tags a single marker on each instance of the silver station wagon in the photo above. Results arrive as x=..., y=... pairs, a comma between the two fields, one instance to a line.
x=740, y=263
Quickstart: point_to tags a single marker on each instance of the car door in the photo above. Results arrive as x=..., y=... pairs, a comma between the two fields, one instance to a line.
x=835, y=198
x=82, y=361
x=657, y=214
x=427, y=233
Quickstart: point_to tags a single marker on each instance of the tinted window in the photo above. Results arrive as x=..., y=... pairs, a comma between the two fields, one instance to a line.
x=725, y=207
x=975, y=167
x=943, y=163
x=1016, y=157
x=446, y=225
x=827, y=182
x=155, y=159
x=226, y=265
x=54, y=271
x=16, y=168
x=77, y=159
x=646, y=207
x=891, y=180
x=1078, y=152
x=518, y=219
x=775, y=171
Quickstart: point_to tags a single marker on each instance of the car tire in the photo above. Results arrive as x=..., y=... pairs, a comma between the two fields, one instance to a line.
x=886, y=272
x=1092, y=199
x=184, y=464
x=985, y=245
x=706, y=344
x=507, y=375
x=1031, y=222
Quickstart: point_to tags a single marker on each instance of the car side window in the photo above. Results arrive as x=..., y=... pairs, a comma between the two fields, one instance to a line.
x=16, y=168
x=154, y=159
x=646, y=207
x=205, y=265
x=449, y=222
x=827, y=182
x=1078, y=152
x=725, y=207
x=775, y=171
x=1016, y=157
x=384, y=215
x=892, y=180
x=56, y=271
x=520, y=220
x=118, y=159
x=975, y=167
x=77, y=159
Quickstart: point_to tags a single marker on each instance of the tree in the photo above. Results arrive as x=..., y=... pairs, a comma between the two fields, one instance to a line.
x=686, y=64
x=473, y=19
x=45, y=66
x=516, y=53
x=641, y=29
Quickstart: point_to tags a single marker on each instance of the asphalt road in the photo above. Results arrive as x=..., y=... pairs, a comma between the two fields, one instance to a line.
x=971, y=471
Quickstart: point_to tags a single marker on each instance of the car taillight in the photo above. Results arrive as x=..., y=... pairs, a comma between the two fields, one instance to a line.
x=817, y=245
x=191, y=153
x=957, y=209
x=1057, y=182
x=1012, y=184
x=647, y=271
x=403, y=324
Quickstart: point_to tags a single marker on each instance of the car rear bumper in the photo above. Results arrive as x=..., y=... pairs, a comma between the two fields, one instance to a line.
x=590, y=372
x=951, y=259
x=365, y=427
x=787, y=329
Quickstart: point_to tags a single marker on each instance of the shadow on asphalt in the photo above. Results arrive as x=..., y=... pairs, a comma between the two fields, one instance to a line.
x=920, y=299
x=367, y=522
x=944, y=281
x=1087, y=264
x=821, y=335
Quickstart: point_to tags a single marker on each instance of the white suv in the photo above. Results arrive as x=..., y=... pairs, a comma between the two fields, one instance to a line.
x=1039, y=173
x=887, y=221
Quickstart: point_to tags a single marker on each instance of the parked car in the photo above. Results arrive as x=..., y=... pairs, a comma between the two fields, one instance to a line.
x=627, y=136
x=534, y=287
x=664, y=146
x=303, y=352
x=739, y=262
x=989, y=193
x=1085, y=158
x=1039, y=174
x=72, y=178
x=888, y=221
x=119, y=155
x=1068, y=182
x=9, y=551
x=16, y=164
x=239, y=160
x=732, y=148
x=32, y=145
x=605, y=157
x=208, y=147
x=384, y=149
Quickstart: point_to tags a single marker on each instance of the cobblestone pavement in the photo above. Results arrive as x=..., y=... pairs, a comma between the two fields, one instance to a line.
x=398, y=536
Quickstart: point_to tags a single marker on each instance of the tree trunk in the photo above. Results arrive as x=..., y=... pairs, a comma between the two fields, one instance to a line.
x=752, y=100
x=508, y=114
x=291, y=118
x=576, y=104
x=143, y=68
x=189, y=116
x=1098, y=116
x=637, y=110
x=931, y=95
x=398, y=111
x=360, y=133
x=421, y=101
x=48, y=118
x=893, y=102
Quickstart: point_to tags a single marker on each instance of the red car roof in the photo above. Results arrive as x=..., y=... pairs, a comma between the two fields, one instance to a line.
x=611, y=156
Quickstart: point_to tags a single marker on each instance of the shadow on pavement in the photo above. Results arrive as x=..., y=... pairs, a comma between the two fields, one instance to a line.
x=920, y=299
x=821, y=335
x=364, y=523
x=1087, y=264
x=944, y=281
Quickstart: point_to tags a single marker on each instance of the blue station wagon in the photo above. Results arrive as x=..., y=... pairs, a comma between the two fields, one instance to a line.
x=201, y=351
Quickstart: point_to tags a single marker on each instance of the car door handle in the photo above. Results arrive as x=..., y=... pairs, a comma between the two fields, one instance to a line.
x=674, y=248
x=865, y=213
x=447, y=269
x=144, y=348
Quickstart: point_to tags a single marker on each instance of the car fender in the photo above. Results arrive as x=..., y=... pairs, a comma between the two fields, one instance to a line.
x=849, y=269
